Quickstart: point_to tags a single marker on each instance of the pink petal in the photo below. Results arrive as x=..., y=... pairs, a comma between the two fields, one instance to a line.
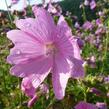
x=60, y=76
x=64, y=45
x=25, y=47
x=32, y=101
x=76, y=49
x=33, y=66
x=62, y=39
x=45, y=22
x=38, y=78
x=34, y=28
x=63, y=27
x=18, y=36
x=77, y=67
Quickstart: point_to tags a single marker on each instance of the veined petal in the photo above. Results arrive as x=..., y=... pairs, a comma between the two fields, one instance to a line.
x=45, y=22
x=63, y=27
x=65, y=46
x=42, y=15
x=38, y=78
x=60, y=76
x=18, y=36
x=75, y=48
x=25, y=47
x=63, y=36
x=32, y=66
x=77, y=68
x=76, y=61
x=34, y=28
x=29, y=26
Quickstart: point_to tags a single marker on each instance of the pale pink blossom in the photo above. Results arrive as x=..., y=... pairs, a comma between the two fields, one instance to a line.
x=42, y=47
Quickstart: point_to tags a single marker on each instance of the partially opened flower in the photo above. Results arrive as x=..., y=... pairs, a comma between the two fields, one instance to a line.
x=84, y=105
x=100, y=31
x=99, y=22
x=106, y=79
x=86, y=2
x=96, y=91
x=87, y=25
x=77, y=25
x=30, y=91
x=92, y=4
x=41, y=47
x=80, y=42
x=54, y=9
x=27, y=87
x=101, y=105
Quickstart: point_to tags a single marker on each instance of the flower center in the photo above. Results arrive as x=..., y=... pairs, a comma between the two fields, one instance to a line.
x=50, y=49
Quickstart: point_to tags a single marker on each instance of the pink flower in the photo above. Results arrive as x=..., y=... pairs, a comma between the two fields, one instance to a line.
x=84, y=105
x=15, y=1
x=80, y=42
x=98, y=22
x=96, y=91
x=92, y=4
x=101, y=105
x=86, y=2
x=41, y=47
x=77, y=25
x=87, y=25
x=100, y=31
x=28, y=88
x=52, y=9
x=101, y=14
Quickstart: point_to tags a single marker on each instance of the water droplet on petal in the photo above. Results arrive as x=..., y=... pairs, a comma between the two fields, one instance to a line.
x=58, y=36
x=17, y=51
x=28, y=24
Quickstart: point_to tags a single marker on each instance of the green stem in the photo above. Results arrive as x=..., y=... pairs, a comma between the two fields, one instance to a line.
x=29, y=3
x=20, y=96
x=4, y=81
x=9, y=15
x=84, y=14
x=105, y=52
